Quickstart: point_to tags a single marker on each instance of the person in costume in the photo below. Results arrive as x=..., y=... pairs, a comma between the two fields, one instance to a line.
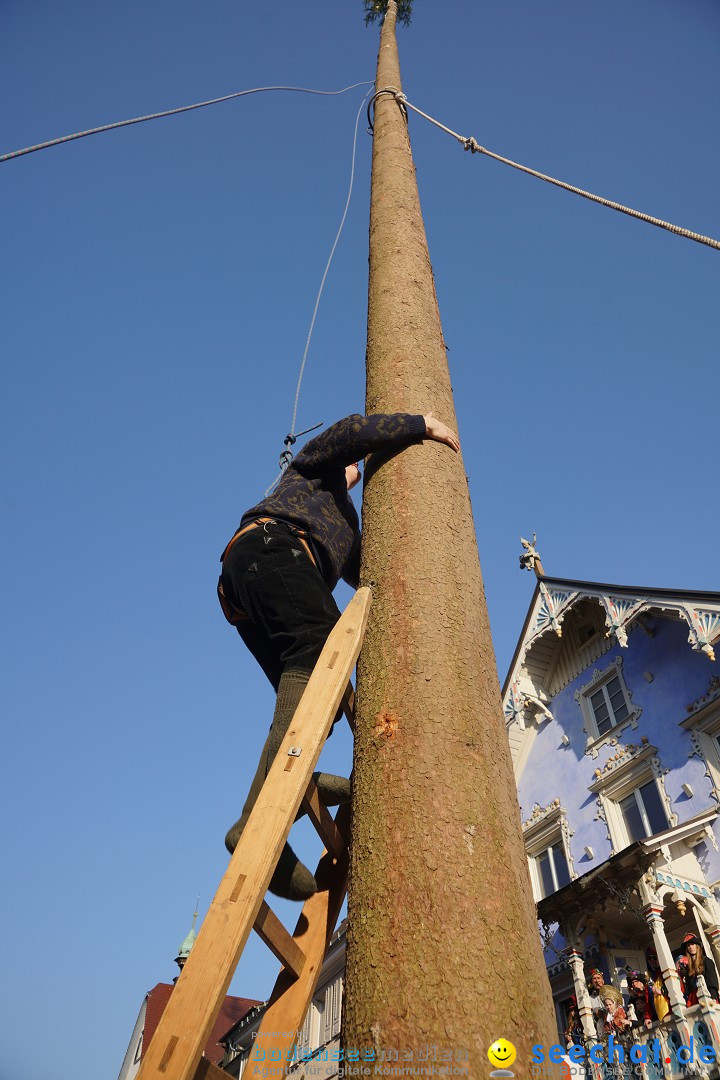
x=639, y=1009
x=615, y=1019
x=596, y=981
x=659, y=999
x=573, y=1032
x=693, y=962
x=615, y=1023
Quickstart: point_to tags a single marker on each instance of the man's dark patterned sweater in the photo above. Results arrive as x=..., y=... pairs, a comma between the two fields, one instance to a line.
x=313, y=495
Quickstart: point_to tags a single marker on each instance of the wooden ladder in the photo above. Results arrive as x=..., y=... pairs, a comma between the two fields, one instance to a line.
x=175, y=1052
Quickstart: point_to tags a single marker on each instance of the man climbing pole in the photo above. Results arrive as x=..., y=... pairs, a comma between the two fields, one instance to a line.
x=278, y=573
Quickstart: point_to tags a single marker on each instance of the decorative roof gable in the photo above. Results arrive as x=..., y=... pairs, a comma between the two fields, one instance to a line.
x=562, y=638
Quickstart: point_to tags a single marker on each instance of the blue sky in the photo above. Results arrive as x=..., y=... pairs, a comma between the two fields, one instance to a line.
x=158, y=288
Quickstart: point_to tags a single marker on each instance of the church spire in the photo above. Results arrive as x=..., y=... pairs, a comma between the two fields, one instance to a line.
x=189, y=941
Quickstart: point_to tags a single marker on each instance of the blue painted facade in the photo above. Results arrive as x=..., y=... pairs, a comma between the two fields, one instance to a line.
x=553, y=770
x=612, y=706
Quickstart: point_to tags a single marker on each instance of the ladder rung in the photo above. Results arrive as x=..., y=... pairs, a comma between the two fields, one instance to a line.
x=207, y=1071
x=279, y=941
x=323, y=821
x=290, y=998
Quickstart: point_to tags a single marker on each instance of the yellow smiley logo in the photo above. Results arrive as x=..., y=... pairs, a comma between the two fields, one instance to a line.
x=502, y=1053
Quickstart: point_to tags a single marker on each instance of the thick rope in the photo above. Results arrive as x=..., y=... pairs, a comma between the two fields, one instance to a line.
x=172, y=112
x=475, y=148
x=290, y=438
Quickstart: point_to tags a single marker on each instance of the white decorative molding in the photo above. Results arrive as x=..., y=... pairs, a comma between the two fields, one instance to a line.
x=582, y=696
x=647, y=887
x=624, y=761
x=704, y=628
x=551, y=612
x=667, y=878
x=540, y=707
x=522, y=705
x=542, y=813
x=619, y=611
x=624, y=755
x=711, y=695
x=703, y=725
x=602, y=816
x=515, y=706
x=623, y=611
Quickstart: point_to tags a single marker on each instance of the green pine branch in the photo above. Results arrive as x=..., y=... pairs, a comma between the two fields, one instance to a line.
x=375, y=9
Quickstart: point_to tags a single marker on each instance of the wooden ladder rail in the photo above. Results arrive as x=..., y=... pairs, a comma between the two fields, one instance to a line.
x=175, y=1052
x=291, y=997
x=293, y=993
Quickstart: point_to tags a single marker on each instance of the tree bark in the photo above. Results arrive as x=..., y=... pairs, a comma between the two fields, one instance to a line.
x=443, y=946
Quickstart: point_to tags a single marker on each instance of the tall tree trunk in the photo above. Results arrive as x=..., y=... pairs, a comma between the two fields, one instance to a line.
x=443, y=947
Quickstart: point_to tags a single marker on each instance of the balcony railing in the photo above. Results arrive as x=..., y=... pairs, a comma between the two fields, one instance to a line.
x=676, y=1049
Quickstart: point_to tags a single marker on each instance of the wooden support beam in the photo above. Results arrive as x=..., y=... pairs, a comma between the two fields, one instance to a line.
x=323, y=821
x=348, y=705
x=207, y=1071
x=278, y=940
x=291, y=998
x=188, y=1019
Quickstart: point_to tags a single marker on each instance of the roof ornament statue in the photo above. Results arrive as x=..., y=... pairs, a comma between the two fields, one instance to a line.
x=530, y=559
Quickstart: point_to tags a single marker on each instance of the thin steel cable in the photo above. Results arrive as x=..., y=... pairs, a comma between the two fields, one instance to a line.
x=476, y=148
x=330, y=258
x=285, y=459
x=173, y=112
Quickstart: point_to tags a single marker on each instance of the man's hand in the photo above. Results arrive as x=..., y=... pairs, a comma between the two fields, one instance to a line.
x=435, y=429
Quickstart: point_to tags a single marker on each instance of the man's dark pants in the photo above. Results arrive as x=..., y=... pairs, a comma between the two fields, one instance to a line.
x=269, y=575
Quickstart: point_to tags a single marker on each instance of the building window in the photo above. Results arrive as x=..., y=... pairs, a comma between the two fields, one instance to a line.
x=643, y=812
x=306, y=1041
x=606, y=705
x=609, y=705
x=631, y=795
x=547, y=843
x=332, y=1011
x=552, y=869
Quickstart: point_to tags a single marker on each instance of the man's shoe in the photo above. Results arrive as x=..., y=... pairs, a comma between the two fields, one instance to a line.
x=333, y=790
x=292, y=880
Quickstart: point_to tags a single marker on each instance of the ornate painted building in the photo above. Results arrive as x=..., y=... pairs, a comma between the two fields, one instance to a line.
x=612, y=705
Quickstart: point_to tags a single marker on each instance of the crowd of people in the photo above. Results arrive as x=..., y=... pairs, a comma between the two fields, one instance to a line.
x=647, y=1002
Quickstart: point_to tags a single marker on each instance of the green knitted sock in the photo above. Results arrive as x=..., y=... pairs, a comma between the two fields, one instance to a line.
x=333, y=790
x=291, y=879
